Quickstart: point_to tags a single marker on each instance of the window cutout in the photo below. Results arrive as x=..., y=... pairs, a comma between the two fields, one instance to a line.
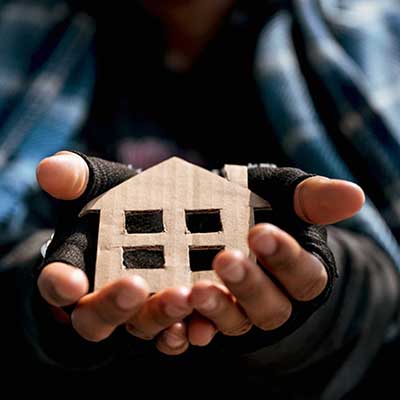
x=143, y=257
x=144, y=221
x=202, y=221
x=263, y=215
x=201, y=258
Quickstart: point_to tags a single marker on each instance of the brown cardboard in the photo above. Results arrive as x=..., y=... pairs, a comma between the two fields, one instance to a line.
x=173, y=186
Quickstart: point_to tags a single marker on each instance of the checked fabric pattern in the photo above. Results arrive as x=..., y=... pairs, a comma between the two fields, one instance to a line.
x=341, y=56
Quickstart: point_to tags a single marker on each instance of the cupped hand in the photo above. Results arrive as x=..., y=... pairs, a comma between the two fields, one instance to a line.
x=264, y=299
x=96, y=315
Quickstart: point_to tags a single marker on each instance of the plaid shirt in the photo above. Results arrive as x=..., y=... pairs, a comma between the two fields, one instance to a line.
x=45, y=89
x=350, y=49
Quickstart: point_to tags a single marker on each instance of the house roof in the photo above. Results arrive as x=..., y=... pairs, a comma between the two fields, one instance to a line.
x=171, y=182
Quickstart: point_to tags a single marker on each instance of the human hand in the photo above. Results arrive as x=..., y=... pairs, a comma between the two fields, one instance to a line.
x=66, y=176
x=294, y=282
x=98, y=314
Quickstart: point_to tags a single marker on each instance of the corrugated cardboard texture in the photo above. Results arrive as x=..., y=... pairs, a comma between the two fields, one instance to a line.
x=175, y=187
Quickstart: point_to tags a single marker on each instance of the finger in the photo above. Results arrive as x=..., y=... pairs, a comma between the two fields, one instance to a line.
x=64, y=175
x=264, y=303
x=61, y=284
x=200, y=330
x=219, y=306
x=319, y=200
x=99, y=313
x=173, y=341
x=160, y=312
x=301, y=273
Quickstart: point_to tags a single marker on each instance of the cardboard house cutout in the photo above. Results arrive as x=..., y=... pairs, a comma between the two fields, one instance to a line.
x=168, y=222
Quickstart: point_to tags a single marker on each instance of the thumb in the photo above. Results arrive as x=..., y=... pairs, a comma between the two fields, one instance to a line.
x=64, y=175
x=320, y=200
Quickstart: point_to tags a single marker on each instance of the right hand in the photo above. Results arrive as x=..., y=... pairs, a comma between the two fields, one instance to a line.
x=65, y=176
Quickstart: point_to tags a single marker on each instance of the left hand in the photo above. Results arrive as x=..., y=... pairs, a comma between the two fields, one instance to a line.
x=253, y=298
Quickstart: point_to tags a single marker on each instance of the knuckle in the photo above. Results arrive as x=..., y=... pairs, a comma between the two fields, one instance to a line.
x=133, y=330
x=94, y=336
x=161, y=318
x=285, y=260
x=107, y=319
x=240, y=329
x=213, y=308
x=171, y=351
x=89, y=333
x=247, y=290
x=101, y=312
x=275, y=319
x=312, y=287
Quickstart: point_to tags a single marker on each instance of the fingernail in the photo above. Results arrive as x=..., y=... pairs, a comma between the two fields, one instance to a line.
x=126, y=299
x=265, y=243
x=174, y=341
x=174, y=311
x=233, y=273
